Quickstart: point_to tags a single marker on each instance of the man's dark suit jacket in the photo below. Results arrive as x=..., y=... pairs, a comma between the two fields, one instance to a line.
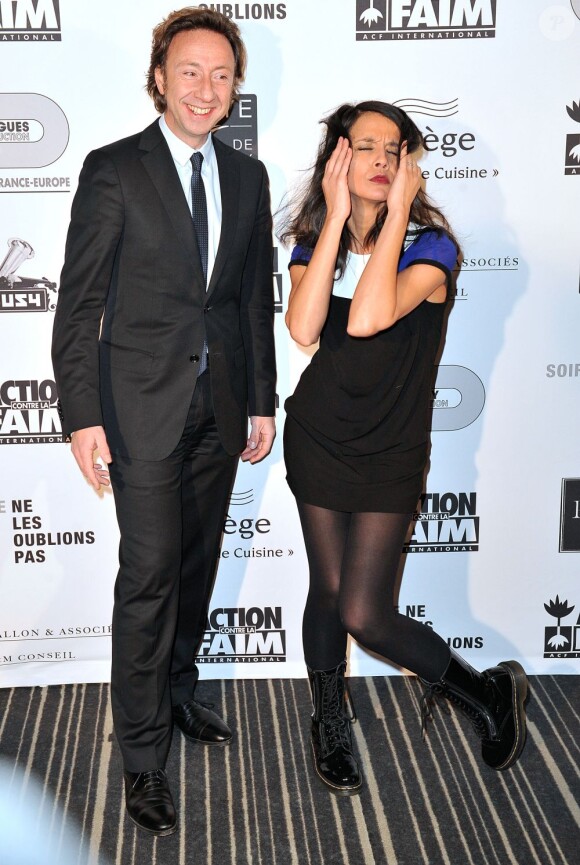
x=131, y=252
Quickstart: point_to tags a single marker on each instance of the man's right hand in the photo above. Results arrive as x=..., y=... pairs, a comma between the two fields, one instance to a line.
x=84, y=442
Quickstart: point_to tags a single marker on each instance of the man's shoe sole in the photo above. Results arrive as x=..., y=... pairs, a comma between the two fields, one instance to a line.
x=161, y=833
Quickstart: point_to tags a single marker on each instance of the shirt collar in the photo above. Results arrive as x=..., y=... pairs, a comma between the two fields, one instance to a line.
x=181, y=151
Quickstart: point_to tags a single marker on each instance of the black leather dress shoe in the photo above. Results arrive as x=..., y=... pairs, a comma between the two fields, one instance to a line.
x=198, y=723
x=149, y=802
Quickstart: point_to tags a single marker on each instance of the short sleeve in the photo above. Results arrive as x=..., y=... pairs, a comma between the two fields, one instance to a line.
x=300, y=255
x=431, y=247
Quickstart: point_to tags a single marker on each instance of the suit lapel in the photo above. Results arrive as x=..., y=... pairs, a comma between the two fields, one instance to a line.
x=229, y=190
x=159, y=165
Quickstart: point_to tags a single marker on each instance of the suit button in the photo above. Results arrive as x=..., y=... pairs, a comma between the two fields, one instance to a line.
x=207, y=308
x=194, y=358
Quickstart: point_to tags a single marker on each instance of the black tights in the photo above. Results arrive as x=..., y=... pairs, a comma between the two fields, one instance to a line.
x=354, y=560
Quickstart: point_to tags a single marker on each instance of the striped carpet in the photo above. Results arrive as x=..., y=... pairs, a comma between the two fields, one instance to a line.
x=258, y=803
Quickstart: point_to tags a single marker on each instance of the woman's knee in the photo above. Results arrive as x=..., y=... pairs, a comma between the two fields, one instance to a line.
x=325, y=596
x=369, y=627
x=357, y=622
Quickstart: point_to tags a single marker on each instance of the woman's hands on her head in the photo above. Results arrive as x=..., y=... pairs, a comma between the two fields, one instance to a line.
x=335, y=183
x=406, y=183
x=312, y=286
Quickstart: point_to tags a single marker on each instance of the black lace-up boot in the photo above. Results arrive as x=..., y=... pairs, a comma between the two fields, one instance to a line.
x=334, y=762
x=494, y=701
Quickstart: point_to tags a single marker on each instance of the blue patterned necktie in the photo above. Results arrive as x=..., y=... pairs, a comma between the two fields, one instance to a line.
x=199, y=209
x=199, y=216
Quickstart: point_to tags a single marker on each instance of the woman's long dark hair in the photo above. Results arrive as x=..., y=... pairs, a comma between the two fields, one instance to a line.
x=305, y=216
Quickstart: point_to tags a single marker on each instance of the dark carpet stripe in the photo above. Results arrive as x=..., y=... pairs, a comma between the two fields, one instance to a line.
x=258, y=802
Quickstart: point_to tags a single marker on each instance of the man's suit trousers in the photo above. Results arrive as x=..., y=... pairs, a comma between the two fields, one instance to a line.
x=171, y=516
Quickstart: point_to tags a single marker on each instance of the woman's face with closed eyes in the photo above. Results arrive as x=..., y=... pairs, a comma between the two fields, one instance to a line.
x=375, y=141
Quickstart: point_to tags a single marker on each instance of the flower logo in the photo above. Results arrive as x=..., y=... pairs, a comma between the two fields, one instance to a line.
x=573, y=110
x=574, y=150
x=558, y=609
x=371, y=15
x=572, y=165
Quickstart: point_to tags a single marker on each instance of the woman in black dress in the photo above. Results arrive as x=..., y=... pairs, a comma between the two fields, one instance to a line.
x=370, y=273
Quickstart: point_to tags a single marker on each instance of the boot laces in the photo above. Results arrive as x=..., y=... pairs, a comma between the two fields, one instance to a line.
x=430, y=698
x=434, y=695
x=336, y=726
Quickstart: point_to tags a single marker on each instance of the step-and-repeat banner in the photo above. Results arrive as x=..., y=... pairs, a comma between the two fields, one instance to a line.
x=494, y=560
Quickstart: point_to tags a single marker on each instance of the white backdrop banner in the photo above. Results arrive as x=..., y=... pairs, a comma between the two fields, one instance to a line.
x=494, y=560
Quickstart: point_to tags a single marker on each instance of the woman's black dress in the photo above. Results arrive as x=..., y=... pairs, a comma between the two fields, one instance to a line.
x=357, y=427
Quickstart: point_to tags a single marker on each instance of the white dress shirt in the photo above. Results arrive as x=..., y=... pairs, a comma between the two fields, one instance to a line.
x=182, y=154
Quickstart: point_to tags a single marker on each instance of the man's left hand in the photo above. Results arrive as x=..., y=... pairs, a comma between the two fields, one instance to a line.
x=260, y=440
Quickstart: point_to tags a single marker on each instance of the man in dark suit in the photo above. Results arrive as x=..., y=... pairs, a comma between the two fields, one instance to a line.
x=162, y=347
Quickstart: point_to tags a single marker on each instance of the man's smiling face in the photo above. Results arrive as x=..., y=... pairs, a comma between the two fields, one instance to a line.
x=197, y=83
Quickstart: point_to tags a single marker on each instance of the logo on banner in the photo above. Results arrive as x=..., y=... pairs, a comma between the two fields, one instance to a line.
x=248, y=11
x=23, y=293
x=35, y=658
x=481, y=264
x=250, y=529
x=30, y=21
x=458, y=398
x=561, y=641
x=40, y=635
x=570, y=516
x=247, y=527
x=76, y=631
x=470, y=642
x=244, y=498
x=572, y=165
x=446, y=523
x=425, y=19
x=34, y=133
x=490, y=263
x=562, y=370
x=448, y=145
x=240, y=130
x=243, y=636
x=28, y=412
x=30, y=540
x=418, y=612
x=424, y=106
